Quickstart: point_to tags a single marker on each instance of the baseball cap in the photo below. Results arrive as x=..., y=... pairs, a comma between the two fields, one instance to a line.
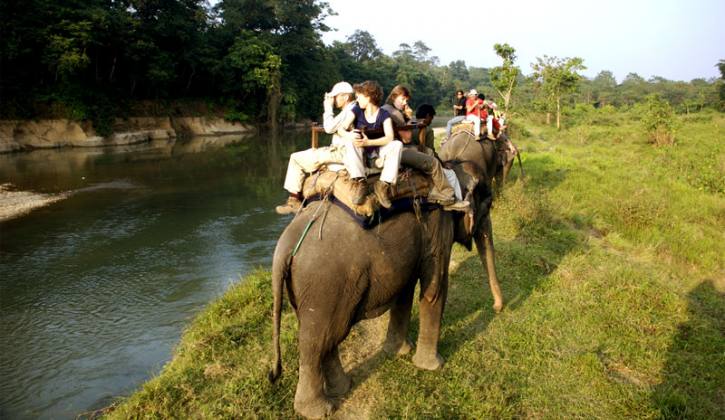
x=341, y=87
x=472, y=92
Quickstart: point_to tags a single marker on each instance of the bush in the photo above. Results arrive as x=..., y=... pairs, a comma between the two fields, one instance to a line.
x=658, y=120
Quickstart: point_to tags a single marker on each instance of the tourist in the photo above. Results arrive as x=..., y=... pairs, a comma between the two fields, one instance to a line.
x=443, y=192
x=459, y=113
x=341, y=152
x=381, y=147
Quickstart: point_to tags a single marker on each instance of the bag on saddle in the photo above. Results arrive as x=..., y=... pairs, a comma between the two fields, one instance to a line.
x=410, y=184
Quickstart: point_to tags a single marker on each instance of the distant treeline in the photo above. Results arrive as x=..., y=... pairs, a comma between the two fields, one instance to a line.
x=252, y=60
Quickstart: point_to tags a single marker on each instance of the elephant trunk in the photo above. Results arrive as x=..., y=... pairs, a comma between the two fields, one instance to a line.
x=518, y=156
x=280, y=270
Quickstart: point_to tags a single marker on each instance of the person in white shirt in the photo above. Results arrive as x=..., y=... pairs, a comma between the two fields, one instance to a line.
x=340, y=152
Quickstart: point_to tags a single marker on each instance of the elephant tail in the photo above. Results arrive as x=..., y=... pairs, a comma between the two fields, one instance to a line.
x=280, y=272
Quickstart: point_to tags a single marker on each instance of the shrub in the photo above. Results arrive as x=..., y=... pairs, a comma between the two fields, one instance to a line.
x=658, y=120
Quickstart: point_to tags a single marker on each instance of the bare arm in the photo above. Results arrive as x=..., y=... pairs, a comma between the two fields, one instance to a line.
x=387, y=138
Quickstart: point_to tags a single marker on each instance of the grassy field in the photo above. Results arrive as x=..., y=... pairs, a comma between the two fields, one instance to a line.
x=611, y=255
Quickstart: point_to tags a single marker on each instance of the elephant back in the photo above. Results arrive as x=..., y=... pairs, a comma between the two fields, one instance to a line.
x=411, y=184
x=462, y=146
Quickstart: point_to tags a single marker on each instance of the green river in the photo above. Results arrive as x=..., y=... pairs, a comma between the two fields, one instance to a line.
x=96, y=289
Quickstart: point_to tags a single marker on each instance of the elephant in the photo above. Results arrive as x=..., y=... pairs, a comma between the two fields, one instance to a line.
x=507, y=162
x=337, y=273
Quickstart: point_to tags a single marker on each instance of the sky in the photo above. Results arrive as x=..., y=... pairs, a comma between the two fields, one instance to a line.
x=677, y=40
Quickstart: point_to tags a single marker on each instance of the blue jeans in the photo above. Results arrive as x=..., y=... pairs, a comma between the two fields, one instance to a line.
x=453, y=121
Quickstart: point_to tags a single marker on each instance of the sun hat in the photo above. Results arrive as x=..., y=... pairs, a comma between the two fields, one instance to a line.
x=473, y=92
x=341, y=87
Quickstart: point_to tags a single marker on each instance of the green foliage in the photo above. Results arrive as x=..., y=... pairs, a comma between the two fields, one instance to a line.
x=557, y=78
x=504, y=77
x=256, y=65
x=236, y=116
x=254, y=54
x=658, y=120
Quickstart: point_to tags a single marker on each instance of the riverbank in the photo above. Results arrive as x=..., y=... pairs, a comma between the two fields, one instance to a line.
x=17, y=203
x=20, y=135
x=610, y=261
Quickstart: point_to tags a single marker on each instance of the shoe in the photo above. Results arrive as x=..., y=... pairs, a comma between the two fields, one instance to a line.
x=359, y=191
x=293, y=205
x=462, y=205
x=490, y=137
x=438, y=198
x=382, y=191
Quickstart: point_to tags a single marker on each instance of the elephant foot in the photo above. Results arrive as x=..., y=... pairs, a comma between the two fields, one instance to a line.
x=338, y=386
x=427, y=362
x=314, y=409
x=398, y=348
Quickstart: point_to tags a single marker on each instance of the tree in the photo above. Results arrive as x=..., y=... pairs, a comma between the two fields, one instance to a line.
x=503, y=78
x=658, y=120
x=721, y=90
x=458, y=71
x=633, y=89
x=557, y=77
x=362, y=46
x=604, y=88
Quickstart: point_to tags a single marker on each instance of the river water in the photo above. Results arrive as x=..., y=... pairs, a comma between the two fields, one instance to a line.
x=96, y=289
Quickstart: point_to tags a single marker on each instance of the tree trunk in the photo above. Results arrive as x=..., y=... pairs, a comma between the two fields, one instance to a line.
x=274, y=98
x=113, y=69
x=191, y=76
x=558, y=113
x=548, y=118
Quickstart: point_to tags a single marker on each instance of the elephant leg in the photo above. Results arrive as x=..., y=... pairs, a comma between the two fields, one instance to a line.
x=396, y=341
x=484, y=245
x=433, y=293
x=310, y=400
x=337, y=383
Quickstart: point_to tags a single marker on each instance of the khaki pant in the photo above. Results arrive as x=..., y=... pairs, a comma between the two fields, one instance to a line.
x=307, y=161
x=442, y=189
x=389, y=161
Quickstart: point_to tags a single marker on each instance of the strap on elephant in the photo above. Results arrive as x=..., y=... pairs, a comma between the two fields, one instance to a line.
x=325, y=200
x=302, y=238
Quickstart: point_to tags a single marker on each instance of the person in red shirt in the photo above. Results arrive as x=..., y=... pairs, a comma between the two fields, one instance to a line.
x=474, y=110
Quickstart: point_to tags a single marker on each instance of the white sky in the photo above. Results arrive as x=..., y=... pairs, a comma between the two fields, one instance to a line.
x=675, y=39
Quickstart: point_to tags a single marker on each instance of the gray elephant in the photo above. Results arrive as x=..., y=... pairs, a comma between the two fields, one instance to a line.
x=340, y=274
x=507, y=157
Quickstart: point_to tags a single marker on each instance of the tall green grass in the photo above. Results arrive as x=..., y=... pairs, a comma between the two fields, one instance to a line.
x=610, y=256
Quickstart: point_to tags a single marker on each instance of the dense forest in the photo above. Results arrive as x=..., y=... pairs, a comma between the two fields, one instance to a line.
x=260, y=60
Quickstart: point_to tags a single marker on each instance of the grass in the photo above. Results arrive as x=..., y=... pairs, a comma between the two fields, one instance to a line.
x=611, y=259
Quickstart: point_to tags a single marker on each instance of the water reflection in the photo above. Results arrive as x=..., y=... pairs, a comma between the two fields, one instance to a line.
x=95, y=290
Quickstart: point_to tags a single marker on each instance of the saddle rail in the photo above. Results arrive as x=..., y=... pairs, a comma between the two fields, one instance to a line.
x=316, y=129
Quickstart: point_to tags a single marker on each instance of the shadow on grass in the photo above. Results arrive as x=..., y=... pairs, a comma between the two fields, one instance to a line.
x=694, y=375
x=522, y=264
